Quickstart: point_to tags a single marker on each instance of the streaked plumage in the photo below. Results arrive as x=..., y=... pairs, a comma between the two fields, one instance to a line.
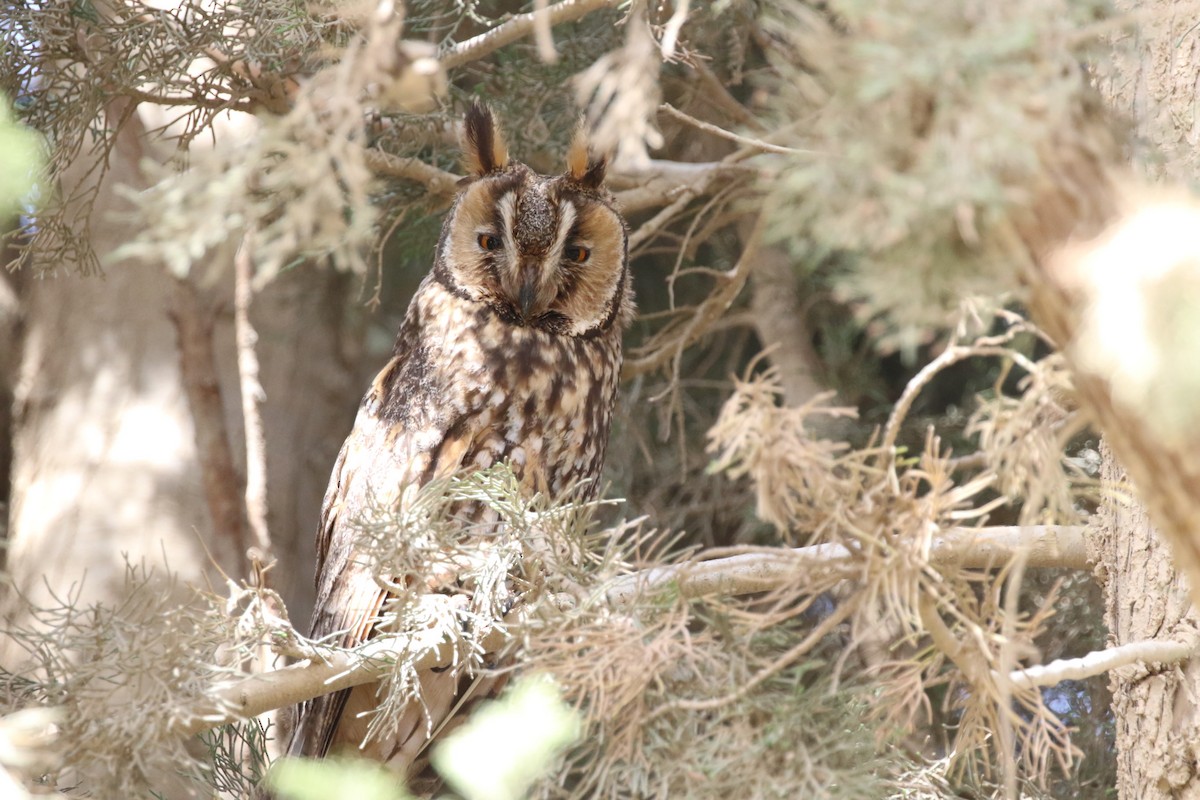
x=510, y=350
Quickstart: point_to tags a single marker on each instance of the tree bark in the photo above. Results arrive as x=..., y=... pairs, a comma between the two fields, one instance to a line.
x=1152, y=81
x=1157, y=720
x=104, y=467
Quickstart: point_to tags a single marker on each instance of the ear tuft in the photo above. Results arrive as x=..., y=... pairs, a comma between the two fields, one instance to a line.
x=577, y=154
x=594, y=177
x=484, y=150
x=582, y=166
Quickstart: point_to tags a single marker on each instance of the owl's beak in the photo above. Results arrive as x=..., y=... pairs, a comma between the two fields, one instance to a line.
x=527, y=296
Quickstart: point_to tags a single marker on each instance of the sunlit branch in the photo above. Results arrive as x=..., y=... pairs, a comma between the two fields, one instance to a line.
x=248, y=697
x=972, y=548
x=1158, y=653
x=519, y=27
x=717, y=130
x=661, y=184
x=736, y=575
x=252, y=395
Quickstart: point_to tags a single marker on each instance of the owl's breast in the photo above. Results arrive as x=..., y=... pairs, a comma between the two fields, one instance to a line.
x=541, y=401
x=548, y=405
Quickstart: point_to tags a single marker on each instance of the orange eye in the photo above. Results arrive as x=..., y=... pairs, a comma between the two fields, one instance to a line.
x=577, y=254
x=489, y=242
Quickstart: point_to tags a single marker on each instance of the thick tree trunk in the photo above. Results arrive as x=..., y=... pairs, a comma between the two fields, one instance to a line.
x=106, y=466
x=1156, y=712
x=1157, y=719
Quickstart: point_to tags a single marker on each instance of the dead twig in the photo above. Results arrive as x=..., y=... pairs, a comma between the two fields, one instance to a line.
x=260, y=554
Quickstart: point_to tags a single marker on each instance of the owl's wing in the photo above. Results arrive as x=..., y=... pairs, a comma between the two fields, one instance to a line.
x=397, y=442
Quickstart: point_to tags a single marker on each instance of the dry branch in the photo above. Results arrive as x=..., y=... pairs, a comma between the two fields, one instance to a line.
x=518, y=27
x=438, y=182
x=252, y=397
x=742, y=574
x=1156, y=652
x=248, y=697
x=664, y=182
x=771, y=568
x=668, y=345
x=717, y=130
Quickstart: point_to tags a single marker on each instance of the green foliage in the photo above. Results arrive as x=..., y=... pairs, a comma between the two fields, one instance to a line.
x=928, y=127
x=302, y=779
x=21, y=160
x=509, y=743
x=238, y=757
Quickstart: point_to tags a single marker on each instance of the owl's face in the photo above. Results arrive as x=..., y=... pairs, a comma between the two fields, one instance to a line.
x=542, y=252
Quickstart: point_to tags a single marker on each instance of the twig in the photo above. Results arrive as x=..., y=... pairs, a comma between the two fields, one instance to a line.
x=665, y=181
x=673, y=27
x=542, y=32
x=518, y=27
x=716, y=130
x=670, y=343
x=1157, y=652
x=794, y=653
x=665, y=215
x=714, y=90
x=252, y=396
x=948, y=357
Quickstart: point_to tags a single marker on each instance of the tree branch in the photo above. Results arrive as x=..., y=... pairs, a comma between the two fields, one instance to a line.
x=194, y=319
x=252, y=396
x=664, y=182
x=771, y=568
x=717, y=130
x=248, y=697
x=438, y=182
x=741, y=574
x=1156, y=652
x=518, y=27
x=668, y=344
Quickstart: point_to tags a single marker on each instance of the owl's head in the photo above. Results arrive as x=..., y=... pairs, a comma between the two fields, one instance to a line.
x=545, y=252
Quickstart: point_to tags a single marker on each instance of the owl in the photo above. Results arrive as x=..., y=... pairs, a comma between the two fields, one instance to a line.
x=510, y=352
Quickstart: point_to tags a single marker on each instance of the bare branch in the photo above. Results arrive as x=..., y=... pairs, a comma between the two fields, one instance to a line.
x=663, y=183
x=258, y=694
x=518, y=27
x=771, y=568
x=669, y=344
x=252, y=396
x=736, y=575
x=1156, y=652
x=717, y=130
x=438, y=182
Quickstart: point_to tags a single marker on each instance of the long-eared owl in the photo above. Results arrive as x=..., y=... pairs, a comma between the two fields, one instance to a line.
x=510, y=351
